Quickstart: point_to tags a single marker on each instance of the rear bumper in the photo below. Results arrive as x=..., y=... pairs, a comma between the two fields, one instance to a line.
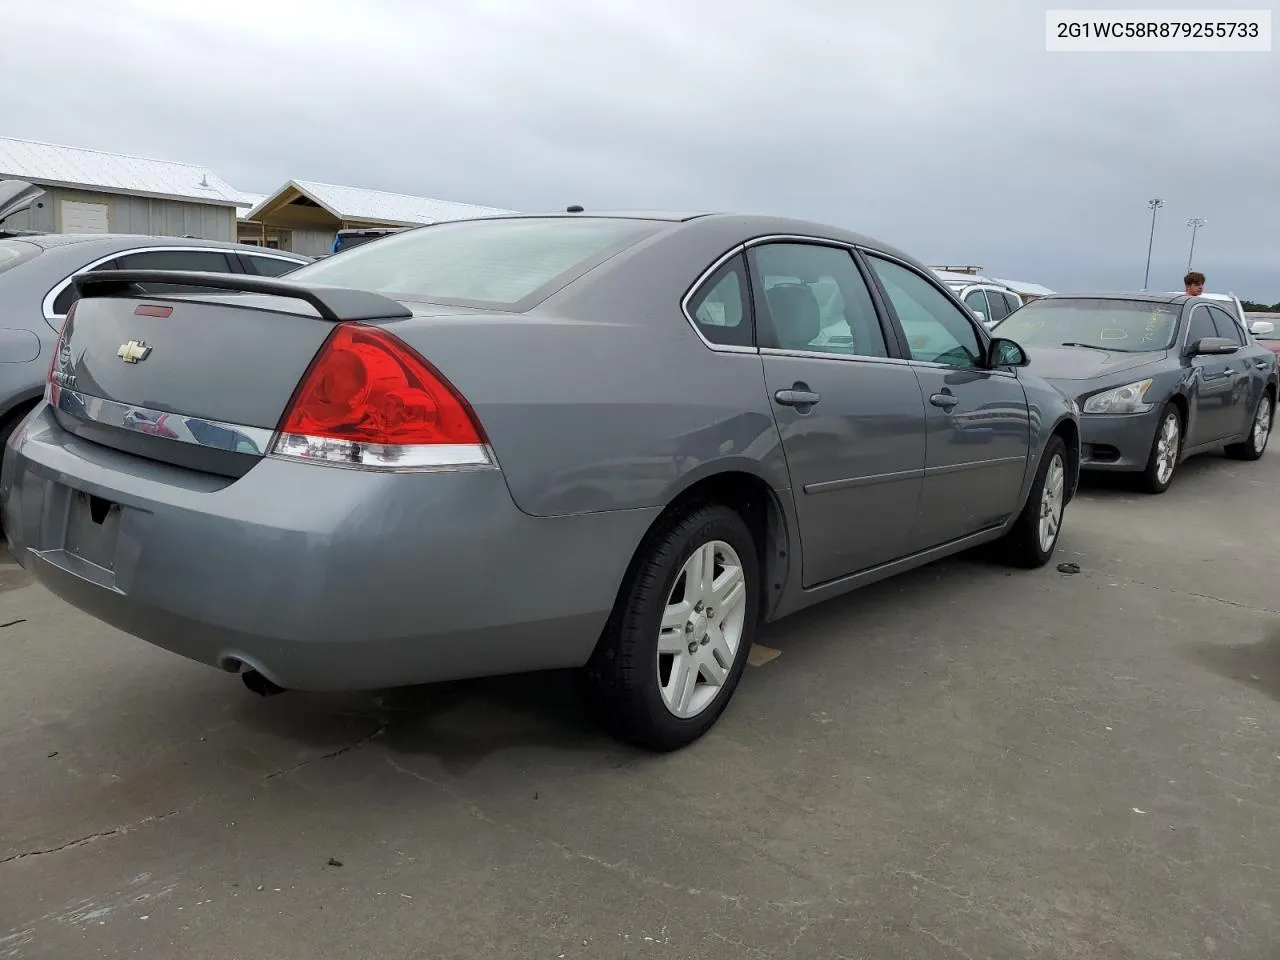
x=1120, y=443
x=318, y=577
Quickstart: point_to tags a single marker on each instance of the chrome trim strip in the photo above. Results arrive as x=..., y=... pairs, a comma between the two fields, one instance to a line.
x=46, y=305
x=197, y=431
x=890, y=361
x=969, y=465
x=842, y=357
x=829, y=486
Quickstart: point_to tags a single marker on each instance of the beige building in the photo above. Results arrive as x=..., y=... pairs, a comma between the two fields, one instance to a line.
x=305, y=216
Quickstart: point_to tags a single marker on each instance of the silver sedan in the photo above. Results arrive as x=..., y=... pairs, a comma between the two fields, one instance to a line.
x=610, y=443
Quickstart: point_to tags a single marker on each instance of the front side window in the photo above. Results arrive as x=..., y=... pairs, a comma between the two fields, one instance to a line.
x=1127, y=326
x=1201, y=325
x=500, y=261
x=816, y=300
x=720, y=306
x=936, y=330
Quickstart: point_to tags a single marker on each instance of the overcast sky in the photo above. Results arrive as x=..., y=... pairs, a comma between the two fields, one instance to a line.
x=942, y=127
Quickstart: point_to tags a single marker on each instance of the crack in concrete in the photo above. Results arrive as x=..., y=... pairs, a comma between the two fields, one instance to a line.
x=1092, y=574
x=92, y=837
x=130, y=827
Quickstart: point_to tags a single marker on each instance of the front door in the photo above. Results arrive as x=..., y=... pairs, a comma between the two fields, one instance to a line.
x=977, y=420
x=851, y=418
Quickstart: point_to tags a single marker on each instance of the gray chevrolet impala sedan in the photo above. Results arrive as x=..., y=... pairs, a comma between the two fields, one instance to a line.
x=1158, y=377
x=614, y=443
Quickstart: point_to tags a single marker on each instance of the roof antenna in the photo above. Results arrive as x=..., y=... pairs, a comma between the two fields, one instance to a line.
x=574, y=208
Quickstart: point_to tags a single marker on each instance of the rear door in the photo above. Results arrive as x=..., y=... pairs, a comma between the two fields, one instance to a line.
x=849, y=413
x=1213, y=384
x=999, y=308
x=1247, y=378
x=978, y=426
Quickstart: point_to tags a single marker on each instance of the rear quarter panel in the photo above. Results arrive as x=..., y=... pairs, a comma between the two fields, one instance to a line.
x=595, y=415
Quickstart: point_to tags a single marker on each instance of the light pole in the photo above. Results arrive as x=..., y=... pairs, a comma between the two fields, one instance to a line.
x=1195, y=223
x=1155, y=205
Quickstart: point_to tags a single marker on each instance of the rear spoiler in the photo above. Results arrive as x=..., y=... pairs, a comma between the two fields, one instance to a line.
x=334, y=304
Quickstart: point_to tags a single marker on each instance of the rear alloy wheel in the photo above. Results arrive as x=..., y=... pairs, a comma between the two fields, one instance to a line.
x=1034, y=535
x=677, y=642
x=1165, y=448
x=1259, y=434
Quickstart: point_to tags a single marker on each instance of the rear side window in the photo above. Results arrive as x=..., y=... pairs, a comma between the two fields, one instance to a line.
x=999, y=309
x=720, y=307
x=816, y=300
x=269, y=266
x=506, y=262
x=62, y=303
x=976, y=301
x=1227, y=328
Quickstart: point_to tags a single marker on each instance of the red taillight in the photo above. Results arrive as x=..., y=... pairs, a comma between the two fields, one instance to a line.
x=51, y=386
x=369, y=400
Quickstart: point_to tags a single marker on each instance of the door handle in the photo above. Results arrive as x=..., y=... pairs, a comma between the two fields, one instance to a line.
x=1261, y=364
x=1214, y=374
x=944, y=400
x=796, y=398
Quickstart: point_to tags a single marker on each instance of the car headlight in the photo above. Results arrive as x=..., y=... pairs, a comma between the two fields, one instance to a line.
x=1131, y=398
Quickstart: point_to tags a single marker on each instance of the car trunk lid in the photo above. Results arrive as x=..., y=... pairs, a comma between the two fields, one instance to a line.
x=199, y=381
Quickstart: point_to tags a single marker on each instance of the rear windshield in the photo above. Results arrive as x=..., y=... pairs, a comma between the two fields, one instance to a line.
x=13, y=252
x=1128, y=326
x=501, y=261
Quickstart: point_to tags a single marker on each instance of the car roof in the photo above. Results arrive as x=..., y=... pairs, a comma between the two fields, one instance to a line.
x=124, y=241
x=1145, y=297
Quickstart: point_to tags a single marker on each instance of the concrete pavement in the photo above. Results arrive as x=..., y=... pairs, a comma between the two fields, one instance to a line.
x=965, y=762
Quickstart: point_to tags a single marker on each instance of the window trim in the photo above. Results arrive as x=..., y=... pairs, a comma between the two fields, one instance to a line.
x=984, y=338
x=696, y=288
x=893, y=349
x=889, y=328
x=1239, y=334
x=46, y=305
x=748, y=303
x=1185, y=340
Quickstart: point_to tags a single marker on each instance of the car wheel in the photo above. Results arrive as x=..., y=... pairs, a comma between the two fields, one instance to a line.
x=1034, y=536
x=1256, y=445
x=1165, y=448
x=677, y=641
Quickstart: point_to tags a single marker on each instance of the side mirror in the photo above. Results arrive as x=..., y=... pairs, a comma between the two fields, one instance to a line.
x=1006, y=353
x=1212, y=347
x=982, y=317
x=1260, y=328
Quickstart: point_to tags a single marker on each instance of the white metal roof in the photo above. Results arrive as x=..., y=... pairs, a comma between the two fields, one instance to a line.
x=1021, y=286
x=246, y=202
x=357, y=203
x=950, y=276
x=49, y=164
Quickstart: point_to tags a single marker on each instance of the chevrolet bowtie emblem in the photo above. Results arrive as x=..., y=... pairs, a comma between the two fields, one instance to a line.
x=133, y=351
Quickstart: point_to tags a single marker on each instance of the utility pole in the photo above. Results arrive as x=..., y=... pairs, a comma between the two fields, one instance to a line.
x=1155, y=205
x=1195, y=223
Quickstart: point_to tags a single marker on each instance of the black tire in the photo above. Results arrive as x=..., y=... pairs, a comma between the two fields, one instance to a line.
x=622, y=681
x=1254, y=447
x=1150, y=481
x=1021, y=546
